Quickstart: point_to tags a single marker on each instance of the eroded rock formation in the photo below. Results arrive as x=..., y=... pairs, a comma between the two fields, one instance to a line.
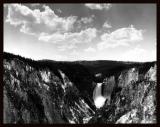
x=53, y=92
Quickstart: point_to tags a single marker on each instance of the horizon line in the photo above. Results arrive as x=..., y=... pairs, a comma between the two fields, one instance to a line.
x=77, y=59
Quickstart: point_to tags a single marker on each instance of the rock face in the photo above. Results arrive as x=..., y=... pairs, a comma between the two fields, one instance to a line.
x=127, y=76
x=34, y=92
x=39, y=96
x=151, y=74
x=107, y=87
x=133, y=102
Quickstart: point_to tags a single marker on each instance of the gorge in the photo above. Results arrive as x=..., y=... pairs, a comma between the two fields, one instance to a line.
x=78, y=92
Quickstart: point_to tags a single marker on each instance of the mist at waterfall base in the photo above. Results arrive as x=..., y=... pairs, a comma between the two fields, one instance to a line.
x=99, y=100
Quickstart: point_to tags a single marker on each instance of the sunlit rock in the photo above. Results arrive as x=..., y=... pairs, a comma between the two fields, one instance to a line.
x=127, y=76
x=34, y=95
x=151, y=74
x=129, y=117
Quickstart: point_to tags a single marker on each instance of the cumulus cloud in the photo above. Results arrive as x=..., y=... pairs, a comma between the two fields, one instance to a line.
x=53, y=38
x=74, y=55
x=59, y=10
x=107, y=25
x=86, y=20
x=65, y=47
x=49, y=27
x=84, y=36
x=120, y=37
x=35, y=5
x=98, y=6
x=90, y=49
x=134, y=55
x=36, y=21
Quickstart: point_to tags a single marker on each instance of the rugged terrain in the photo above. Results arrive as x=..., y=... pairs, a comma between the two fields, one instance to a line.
x=65, y=92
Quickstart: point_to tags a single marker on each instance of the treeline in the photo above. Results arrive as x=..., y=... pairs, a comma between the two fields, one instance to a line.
x=78, y=74
x=85, y=68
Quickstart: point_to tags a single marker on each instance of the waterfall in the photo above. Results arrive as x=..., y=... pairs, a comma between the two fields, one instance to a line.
x=99, y=100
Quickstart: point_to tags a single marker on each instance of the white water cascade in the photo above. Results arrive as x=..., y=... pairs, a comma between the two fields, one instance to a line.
x=99, y=100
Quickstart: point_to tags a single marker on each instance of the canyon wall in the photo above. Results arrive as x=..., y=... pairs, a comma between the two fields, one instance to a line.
x=56, y=92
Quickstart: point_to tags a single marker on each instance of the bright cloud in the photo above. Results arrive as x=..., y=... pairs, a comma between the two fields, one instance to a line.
x=65, y=47
x=107, y=25
x=36, y=21
x=35, y=5
x=49, y=27
x=99, y=6
x=86, y=20
x=59, y=10
x=53, y=38
x=138, y=54
x=120, y=37
x=90, y=49
x=74, y=55
x=79, y=35
x=83, y=36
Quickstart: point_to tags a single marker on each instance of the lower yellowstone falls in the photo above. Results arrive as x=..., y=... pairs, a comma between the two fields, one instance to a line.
x=99, y=100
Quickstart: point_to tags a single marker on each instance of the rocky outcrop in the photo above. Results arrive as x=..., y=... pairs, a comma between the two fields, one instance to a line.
x=151, y=74
x=133, y=102
x=107, y=88
x=127, y=76
x=142, y=103
x=39, y=96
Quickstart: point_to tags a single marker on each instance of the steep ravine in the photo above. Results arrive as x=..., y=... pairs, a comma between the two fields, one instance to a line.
x=52, y=92
x=131, y=100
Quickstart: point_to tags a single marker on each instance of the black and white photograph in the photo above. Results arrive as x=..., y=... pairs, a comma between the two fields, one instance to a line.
x=79, y=63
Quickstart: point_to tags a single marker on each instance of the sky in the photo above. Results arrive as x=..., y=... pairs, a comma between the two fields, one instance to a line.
x=70, y=32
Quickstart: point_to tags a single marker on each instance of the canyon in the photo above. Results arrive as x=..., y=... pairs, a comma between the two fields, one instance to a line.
x=80, y=92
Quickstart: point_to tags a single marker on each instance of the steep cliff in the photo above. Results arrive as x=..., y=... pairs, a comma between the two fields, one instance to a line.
x=133, y=100
x=37, y=95
x=69, y=92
